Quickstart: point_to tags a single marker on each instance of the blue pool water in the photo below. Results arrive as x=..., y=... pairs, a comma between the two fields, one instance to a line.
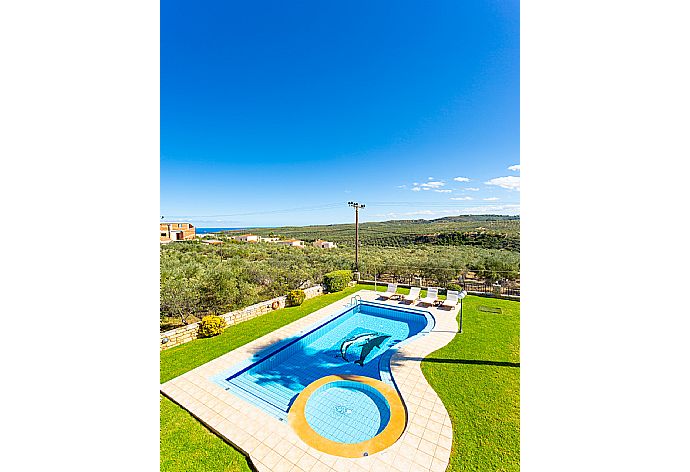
x=358, y=340
x=347, y=412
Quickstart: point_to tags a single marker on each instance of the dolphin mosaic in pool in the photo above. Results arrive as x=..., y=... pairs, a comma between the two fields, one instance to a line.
x=363, y=342
x=358, y=340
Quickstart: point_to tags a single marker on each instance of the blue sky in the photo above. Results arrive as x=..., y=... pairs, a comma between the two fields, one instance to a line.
x=278, y=113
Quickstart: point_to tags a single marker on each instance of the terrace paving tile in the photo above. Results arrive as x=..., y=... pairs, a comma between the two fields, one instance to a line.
x=380, y=466
x=272, y=446
x=307, y=462
x=423, y=459
x=408, y=452
x=272, y=459
x=294, y=454
x=402, y=464
x=437, y=465
x=427, y=446
x=430, y=435
x=283, y=466
x=320, y=467
x=433, y=426
x=261, y=451
x=282, y=447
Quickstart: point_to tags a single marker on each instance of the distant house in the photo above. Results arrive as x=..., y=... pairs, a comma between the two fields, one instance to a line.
x=177, y=232
x=212, y=241
x=247, y=238
x=268, y=240
x=291, y=242
x=320, y=243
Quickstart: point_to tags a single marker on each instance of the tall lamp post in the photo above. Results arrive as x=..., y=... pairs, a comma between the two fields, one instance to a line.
x=461, y=295
x=356, y=206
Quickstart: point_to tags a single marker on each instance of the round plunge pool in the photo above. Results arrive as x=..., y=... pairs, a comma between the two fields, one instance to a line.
x=347, y=412
x=348, y=415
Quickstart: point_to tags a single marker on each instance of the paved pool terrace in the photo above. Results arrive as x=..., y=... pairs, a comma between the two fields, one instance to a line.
x=273, y=446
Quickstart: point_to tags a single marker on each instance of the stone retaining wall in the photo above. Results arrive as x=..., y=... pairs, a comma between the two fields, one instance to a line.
x=178, y=336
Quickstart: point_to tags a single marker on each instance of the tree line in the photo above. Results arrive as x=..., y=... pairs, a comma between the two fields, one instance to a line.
x=198, y=279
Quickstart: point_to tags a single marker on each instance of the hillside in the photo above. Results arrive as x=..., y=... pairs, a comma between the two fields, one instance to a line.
x=486, y=231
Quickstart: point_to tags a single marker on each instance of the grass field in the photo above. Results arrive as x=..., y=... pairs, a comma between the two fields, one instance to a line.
x=476, y=376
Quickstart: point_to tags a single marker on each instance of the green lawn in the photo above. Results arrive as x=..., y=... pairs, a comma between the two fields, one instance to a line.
x=476, y=376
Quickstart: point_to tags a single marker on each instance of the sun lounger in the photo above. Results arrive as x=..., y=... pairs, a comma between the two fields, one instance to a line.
x=414, y=294
x=431, y=296
x=390, y=291
x=451, y=299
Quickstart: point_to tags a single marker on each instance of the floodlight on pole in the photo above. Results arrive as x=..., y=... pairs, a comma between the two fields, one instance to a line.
x=356, y=206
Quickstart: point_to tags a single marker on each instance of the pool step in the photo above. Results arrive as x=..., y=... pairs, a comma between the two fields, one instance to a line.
x=271, y=392
x=276, y=395
x=250, y=398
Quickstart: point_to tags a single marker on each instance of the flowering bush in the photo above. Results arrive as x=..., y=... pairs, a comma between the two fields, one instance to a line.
x=296, y=297
x=211, y=325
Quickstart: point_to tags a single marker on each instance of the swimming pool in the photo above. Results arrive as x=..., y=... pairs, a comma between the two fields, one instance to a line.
x=357, y=341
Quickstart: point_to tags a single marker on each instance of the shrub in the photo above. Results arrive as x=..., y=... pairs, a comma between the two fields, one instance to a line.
x=337, y=280
x=455, y=287
x=296, y=297
x=211, y=325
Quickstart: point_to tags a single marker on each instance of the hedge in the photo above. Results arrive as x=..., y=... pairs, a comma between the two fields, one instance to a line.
x=337, y=280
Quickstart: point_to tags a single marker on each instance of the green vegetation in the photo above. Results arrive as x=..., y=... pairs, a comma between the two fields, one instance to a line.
x=476, y=375
x=196, y=281
x=337, y=280
x=199, y=279
x=296, y=297
x=211, y=325
x=400, y=233
x=187, y=446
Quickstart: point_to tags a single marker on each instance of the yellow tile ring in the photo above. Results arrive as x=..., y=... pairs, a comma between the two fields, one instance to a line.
x=385, y=438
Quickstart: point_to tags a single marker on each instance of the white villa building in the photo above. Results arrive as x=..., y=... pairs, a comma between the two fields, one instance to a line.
x=324, y=244
x=291, y=242
x=247, y=238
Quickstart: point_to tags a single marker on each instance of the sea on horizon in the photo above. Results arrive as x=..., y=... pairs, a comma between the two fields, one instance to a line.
x=214, y=230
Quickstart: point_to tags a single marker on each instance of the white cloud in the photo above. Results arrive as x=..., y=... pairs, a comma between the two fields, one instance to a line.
x=402, y=186
x=515, y=167
x=443, y=190
x=429, y=185
x=461, y=179
x=433, y=184
x=472, y=189
x=490, y=199
x=462, y=198
x=510, y=182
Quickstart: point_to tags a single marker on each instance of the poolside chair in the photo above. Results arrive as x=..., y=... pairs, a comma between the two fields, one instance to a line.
x=451, y=299
x=431, y=296
x=413, y=296
x=390, y=291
